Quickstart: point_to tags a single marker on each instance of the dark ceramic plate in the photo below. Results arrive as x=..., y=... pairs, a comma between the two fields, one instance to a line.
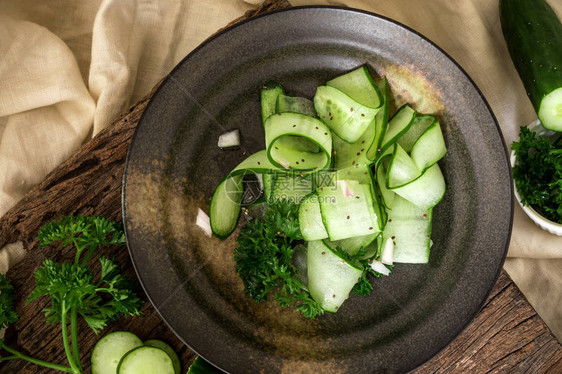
x=174, y=165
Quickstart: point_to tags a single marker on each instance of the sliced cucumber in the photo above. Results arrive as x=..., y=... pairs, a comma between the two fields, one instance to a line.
x=295, y=104
x=429, y=148
x=387, y=196
x=398, y=125
x=348, y=210
x=409, y=227
x=168, y=349
x=268, y=178
x=109, y=350
x=345, y=116
x=402, y=168
x=330, y=291
x=290, y=155
x=360, y=86
x=419, y=125
x=146, y=360
x=310, y=219
x=291, y=187
x=269, y=94
x=352, y=245
x=225, y=203
x=381, y=121
x=425, y=191
x=550, y=110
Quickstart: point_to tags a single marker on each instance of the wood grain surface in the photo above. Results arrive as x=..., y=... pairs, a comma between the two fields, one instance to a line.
x=506, y=337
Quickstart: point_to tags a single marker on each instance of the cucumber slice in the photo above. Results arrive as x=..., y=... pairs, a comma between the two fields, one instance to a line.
x=330, y=291
x=381, y=121
x=310, y=219
x=387, y=196
x=352, y=245
x=291, y=187
x=345, y=116
x=426, y=191
x=398, y=126
x=429, y=148
x=347, y=210
x=201, y=366
x=409, y=227
x=402, y=168
x=347, y=155
x=168, y=349
x=550, y=110
x=295, y=104
x=357, y=172
x=109, y=350
x=146, y=360
x=419, y=125
x=288, y=155
x=359, y=85
x=268, y=99
x=225, y=203
x=363, y=174
x=268, y=179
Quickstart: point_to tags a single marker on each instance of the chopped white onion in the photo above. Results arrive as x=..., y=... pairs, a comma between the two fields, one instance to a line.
x=204, y=222
x=387, y=255
x=229, y=139
x=380, y=268
x=347, y=192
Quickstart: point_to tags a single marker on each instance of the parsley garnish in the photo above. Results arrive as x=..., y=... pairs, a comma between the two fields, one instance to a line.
x=264, y=259
x=538, y=173
x=72, y=287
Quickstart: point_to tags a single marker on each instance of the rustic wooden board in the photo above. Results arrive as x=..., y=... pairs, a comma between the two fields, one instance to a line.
x=507, y=335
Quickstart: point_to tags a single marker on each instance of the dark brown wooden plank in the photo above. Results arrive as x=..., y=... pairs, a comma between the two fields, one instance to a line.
x=507, y=336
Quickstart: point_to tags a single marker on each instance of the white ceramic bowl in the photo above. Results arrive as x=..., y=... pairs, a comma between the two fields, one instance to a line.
x=545, y=224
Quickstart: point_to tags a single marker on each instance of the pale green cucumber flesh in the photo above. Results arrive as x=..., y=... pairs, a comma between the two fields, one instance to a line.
x=310, y=219
x=359, y=85
x=409, y=227
x=295, y=104
x=347, y=210
x=429, y=148
x=381, y=121
x=419, y=125
x=109, y=350
x=146, y=360
x=268, y=100
x=345, y=116
x=425, y=191
x=168, y=349
x=402, y=169
x=352, y=245
x=291, y=187
x=397, y=126
x=225, y=203
x=330, y=291
x=288, y=155
x=550, y=110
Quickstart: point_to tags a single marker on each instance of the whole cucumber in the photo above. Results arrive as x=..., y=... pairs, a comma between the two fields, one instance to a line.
x=533, y=34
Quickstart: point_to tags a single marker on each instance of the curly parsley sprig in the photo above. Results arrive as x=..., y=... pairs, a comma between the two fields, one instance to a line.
x=72, y=287
x=538, y=173
x=264, y=259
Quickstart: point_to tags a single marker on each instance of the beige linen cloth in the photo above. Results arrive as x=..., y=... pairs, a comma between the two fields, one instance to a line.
x=68, y=67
